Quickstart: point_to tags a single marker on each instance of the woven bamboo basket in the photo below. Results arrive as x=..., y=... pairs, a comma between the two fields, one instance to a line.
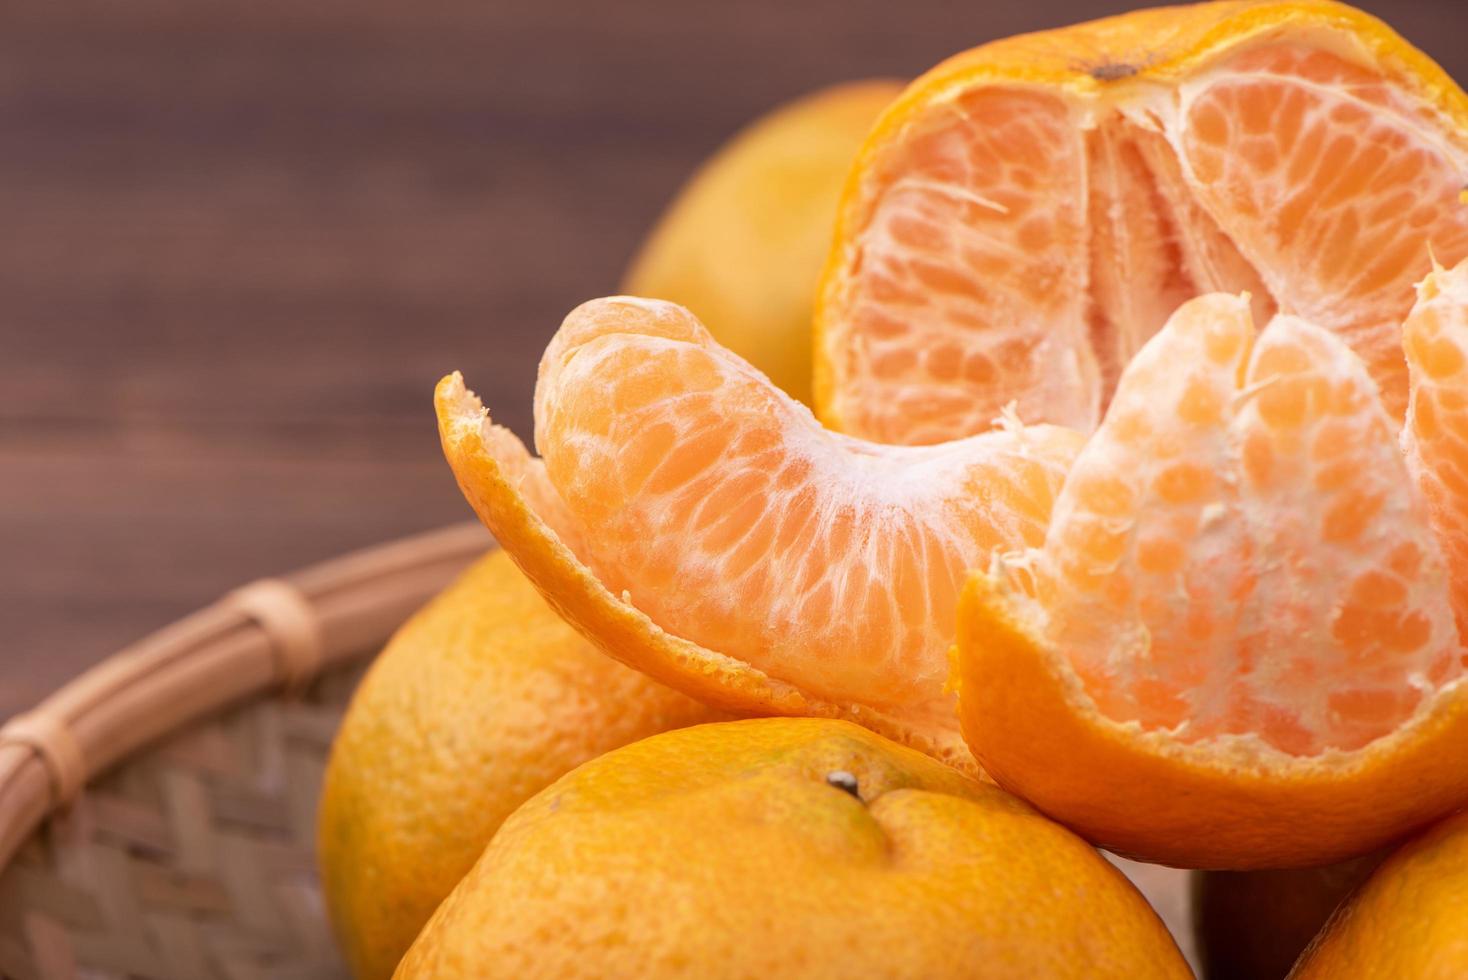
x=157, y=814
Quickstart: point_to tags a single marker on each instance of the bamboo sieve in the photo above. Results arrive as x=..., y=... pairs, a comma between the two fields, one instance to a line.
x=157, y=814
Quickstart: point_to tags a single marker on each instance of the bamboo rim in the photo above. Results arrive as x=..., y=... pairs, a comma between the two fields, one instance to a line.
x=275, y=633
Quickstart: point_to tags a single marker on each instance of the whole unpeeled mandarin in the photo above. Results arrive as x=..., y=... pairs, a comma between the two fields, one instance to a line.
x=482, y=699
x=786, y=847
x=744, y=241
x=1409, y=920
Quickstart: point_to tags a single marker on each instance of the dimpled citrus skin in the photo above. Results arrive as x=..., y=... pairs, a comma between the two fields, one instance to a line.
x=1027, y=213
x=725, y=850
x=744, y=241
x=480, y=700
x=1410, y=919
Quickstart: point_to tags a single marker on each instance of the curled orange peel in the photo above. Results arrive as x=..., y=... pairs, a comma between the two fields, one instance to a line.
x=510, y=493
x=1227, y=803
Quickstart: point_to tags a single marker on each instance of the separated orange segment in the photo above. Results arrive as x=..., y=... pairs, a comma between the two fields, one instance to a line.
x=698, y=524
x=1028, y=213
x=715, y=502
x=1240, y=581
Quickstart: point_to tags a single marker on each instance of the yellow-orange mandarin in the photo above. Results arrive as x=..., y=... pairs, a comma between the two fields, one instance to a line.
x=779, y=847
x=478, y=702
x=1408, y=920
x=743, y=243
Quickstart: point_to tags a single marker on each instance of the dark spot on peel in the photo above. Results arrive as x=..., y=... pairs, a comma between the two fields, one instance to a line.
x=1112, y=72
x=844, y=781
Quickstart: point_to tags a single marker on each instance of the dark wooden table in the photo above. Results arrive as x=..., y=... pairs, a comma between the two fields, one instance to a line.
x=239, y=241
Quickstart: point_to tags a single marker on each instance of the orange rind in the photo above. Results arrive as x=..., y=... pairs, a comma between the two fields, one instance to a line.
x=787, y=847
x=698, y=525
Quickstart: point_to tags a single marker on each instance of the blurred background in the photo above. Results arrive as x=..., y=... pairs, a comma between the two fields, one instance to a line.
x=240, y=241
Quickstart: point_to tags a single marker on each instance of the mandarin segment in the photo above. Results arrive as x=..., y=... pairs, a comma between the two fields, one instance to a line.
x=1356, y=630
x=1236, y=647
x=681, y=489
x=1139, y=245
x=1239, y=550
x=1334, y=185
x=972, y=263
x=1142, y=560
x=716, y=504
x=1298, y=151
x=1223, y=803
x=1436, y=437
x=743, y=242
x=1209, y=259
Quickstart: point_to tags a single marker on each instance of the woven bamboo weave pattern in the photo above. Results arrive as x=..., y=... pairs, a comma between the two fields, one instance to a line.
x=198, y=752
x=195, y=859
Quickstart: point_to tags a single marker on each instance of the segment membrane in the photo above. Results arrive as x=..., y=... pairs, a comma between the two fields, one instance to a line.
x=1239, y=550
x=969, y=277
x=719, y=505
x=1436, y=436
x=1152, y=246
x=1334, y=187
x=1020, y=248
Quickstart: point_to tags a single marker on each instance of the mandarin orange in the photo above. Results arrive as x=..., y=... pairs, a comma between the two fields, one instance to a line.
x=1236, y=644
x=479, y=701
x=1028, y=213
x=1409, y=919
x=784, y=847
x=743, y=242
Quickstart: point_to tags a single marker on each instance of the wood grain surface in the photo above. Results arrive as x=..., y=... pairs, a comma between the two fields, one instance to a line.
x=240, y=241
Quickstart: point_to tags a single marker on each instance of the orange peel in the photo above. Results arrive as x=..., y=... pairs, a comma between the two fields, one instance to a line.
x=614, y=358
